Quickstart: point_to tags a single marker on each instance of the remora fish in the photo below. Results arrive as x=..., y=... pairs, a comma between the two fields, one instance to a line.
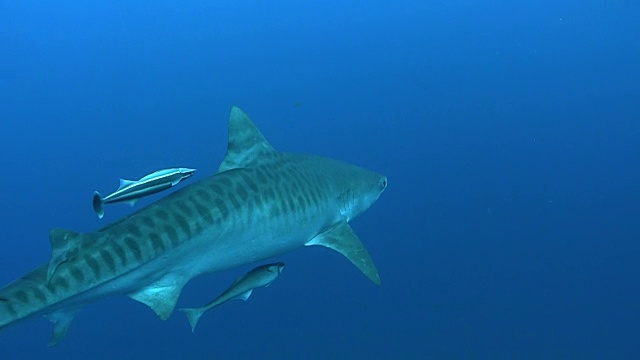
x=240, y=289
x=261, y=203
x=131, y=191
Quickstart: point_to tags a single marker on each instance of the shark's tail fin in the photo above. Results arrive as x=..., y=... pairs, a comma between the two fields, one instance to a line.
x=98, y=207
x=193, y=315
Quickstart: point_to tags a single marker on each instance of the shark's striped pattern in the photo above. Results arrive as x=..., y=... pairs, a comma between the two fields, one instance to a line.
x=262, y=203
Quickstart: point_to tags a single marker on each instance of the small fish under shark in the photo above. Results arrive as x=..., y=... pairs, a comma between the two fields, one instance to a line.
x=131, y=191
x=241, y=288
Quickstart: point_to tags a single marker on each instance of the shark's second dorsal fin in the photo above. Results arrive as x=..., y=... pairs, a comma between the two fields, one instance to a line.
x=65, y=245
x=246, y=142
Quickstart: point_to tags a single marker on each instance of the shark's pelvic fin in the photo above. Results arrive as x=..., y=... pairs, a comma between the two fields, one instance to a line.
x=246, y=142
x=65, y=245
x=342, y=239
x=62, y=321
x=160, y=296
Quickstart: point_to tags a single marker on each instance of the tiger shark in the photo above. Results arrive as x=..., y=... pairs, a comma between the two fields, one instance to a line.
x=260, y=203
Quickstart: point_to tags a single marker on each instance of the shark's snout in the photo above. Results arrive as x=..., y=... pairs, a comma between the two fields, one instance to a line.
x=383, y=183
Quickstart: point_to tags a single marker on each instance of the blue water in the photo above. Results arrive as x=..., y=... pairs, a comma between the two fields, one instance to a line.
x=509, y=131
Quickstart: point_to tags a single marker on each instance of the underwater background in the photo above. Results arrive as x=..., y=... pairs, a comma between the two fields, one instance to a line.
x=509, y=132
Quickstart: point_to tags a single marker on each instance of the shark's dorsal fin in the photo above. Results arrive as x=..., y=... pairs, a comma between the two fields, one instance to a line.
x=65, y=245
x=342, y=239
x=160, y=296
x=246, y=143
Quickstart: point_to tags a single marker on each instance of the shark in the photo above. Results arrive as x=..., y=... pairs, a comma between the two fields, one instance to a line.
x=260, y=203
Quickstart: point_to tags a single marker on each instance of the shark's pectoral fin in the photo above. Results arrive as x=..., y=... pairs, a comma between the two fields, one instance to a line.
x=65, y=245
x=160, y=296
x=62, y=321
x=342, y=239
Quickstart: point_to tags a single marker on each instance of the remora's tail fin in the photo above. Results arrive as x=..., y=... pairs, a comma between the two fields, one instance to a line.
x=98, y=207
x=193, y=315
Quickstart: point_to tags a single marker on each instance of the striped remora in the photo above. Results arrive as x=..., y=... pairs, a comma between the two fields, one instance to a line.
x=130, y=191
